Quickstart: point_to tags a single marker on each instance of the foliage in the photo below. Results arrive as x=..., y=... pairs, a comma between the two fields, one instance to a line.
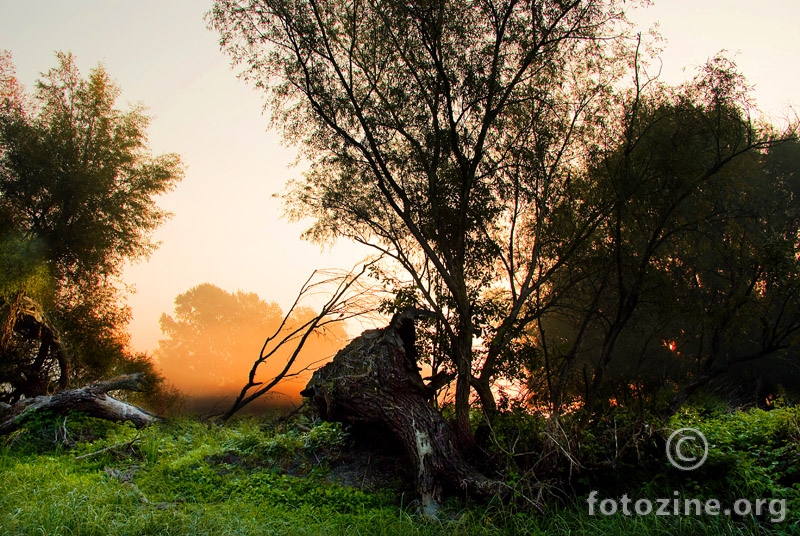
x=47, y=433
x=440, y=134
x=752, y=453
x=77, y=199
x=693, y=272
x=213, y=337
x=594, y=243
x=187, y=477
x=77, y=174
x=23, y=268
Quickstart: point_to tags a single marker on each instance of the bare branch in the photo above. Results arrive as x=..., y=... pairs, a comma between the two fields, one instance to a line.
x=349, y=298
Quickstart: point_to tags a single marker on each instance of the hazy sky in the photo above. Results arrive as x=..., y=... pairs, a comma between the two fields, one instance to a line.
x=227, y=228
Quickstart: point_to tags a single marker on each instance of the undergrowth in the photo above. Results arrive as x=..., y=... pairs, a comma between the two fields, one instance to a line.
x=186, y=477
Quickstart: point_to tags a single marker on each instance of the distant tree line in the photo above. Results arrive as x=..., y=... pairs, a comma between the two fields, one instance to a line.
x=213, y=338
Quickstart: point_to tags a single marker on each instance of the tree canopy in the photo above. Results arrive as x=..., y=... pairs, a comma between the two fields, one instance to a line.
x=435, y=130
x=76, y=173
x=694, y=268
x=77, y=199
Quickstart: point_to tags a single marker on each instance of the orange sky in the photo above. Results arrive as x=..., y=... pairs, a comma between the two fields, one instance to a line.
x=227, y=228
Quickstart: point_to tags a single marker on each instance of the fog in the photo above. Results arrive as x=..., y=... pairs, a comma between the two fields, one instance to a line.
x=213, y=338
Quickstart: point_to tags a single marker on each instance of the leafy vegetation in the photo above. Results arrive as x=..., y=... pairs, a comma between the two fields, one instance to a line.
x=589, y=257
x=83, y=476
x=77, y=200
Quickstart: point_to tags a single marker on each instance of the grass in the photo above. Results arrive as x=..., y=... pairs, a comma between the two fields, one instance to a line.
x=246, y=478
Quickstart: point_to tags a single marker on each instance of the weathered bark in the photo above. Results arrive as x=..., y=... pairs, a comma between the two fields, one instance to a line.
x=23, y=320
x=376, y=381
x=92, y=400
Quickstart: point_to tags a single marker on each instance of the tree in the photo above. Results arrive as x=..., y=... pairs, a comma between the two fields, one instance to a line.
x=215, y=336
x=77, y=174
x=212, y=334
x=603, y=245
x=693, y=271
x=301, y=328
x=445, y=135
x=77, y=189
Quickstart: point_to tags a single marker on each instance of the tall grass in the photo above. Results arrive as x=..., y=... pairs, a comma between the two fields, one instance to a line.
x=188, y=478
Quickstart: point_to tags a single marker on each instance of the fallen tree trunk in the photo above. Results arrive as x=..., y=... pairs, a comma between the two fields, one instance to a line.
x=92, y=400
x=375, y=381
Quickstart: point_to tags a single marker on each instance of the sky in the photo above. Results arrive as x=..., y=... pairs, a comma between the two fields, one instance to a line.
x=227, y=227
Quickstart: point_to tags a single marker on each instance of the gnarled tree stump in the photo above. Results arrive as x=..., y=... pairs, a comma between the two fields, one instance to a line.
x=375, y=381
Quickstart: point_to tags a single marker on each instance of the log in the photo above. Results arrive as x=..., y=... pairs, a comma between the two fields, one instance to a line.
x=92, y=400
x=374, y=381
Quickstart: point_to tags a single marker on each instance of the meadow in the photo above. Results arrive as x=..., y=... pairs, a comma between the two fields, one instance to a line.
x=82, y=476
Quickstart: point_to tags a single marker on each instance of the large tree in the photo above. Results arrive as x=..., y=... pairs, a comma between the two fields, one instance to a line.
x=693, y=270
x=77, y=199
x=443, y=134
x=600, y=241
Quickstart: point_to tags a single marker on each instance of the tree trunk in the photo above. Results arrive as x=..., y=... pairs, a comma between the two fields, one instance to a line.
x=463, y=361
x=29, y=375
x=92, y=400
x=374, y=381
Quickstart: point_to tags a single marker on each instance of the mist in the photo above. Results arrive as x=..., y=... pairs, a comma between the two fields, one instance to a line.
x=213, y=338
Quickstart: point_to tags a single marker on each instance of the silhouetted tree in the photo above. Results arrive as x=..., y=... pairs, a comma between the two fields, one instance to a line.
x=444, y=135
x=563, y=230
x=695, y=268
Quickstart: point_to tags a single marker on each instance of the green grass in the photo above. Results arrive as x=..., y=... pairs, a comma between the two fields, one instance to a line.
x=189, y=478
